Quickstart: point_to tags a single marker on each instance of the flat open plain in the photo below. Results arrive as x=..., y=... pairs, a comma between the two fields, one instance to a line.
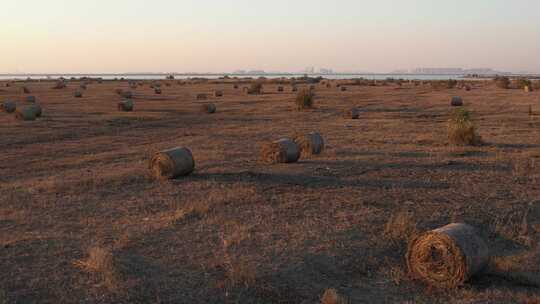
x=75, y=183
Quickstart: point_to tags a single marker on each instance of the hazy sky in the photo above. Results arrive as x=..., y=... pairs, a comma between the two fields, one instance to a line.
x=287, y=35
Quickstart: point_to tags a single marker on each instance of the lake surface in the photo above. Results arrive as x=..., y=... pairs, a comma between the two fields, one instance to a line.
x=215, y=76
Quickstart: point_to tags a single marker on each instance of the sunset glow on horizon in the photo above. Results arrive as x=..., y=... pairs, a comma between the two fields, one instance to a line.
x=60, y=36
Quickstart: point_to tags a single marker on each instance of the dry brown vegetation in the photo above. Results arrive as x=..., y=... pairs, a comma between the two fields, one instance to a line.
x=83, y=221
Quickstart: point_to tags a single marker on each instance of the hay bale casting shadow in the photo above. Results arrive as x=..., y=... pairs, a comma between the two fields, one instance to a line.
x=172, y=163
x=309, y=144
x=280, y=151
x=447, y=257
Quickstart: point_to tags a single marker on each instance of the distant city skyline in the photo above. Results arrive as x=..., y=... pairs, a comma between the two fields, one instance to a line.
x=75, y=36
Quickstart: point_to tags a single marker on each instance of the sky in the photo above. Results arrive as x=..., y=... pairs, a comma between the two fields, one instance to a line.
x=98, y=36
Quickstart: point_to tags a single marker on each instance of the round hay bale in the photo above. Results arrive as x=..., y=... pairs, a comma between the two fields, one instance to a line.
x=352, y=113
x=78, y=94
x=218, y=93
x=310, y=144
x=125, y=106
x=60, y=84
x=30, y=98
x=37, y=109
x=467, y=87
x=172, y=163
x=202, y=96
x=343, y=88
x=235, y=87
x=208, y=108
x=26, y=90
x=157, y=91
x=284, y=150
x=447, y=257
x=280, y=89
x=124, y=93
x=245, y=90
x=457, y=101
x=528, y=89
x=294, y=88
x=26, y=113
x=8, y=106
x=83, y=86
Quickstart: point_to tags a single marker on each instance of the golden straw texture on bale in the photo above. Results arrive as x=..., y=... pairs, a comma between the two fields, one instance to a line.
x=309, y=144
x=208, y=108
x=8, y=106
x=126, y=105
x=280, y=151
x=26, y=113
x=172, y=163
x=447, y=257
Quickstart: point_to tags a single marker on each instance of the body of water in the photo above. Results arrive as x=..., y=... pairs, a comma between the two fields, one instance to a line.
x=215, y=76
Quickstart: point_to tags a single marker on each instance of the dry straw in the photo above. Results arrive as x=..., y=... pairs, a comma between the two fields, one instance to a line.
x=202, y=96
x=309, y=144
x=125, y=106
x=447, y=257
x=208, y=108
x=8, y=106
x=172, y=163
x=284, y=150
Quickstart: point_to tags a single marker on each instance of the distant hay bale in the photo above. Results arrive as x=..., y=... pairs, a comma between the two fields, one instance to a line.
x=528, y=88
x=328, y=85
x=26, y=90
x=60, y=84
x=78, y=94
x=467, y=87
x=304, y=99
x=309, y=144
x=294, y=88
x=447, y=257
x=245, y=90
x=343, y=88
x=83, y=86
x=208, y=108
x=280, y=89
x=157, y=91
x=280, y=151
x=218, y=93
x=352, y=113
x=125, y=105
x=172, y=163
x=8, y=106
x=256, y=88
x=457, y=101
x=31, y=99
x=502, y=82
x=202, y=96
x=235, y=87
x=26, y=113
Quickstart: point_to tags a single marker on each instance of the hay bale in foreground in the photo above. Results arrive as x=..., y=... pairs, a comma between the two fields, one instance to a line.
x=284, y=150
x=457, y=101
x=8, y=106
x=26, y=113
x=352, y=113
x=172, y=163
x=447, y=257
x=208, y=108
x=125, y=106
x=309, y=144
x=30, y=98
x=78, y=94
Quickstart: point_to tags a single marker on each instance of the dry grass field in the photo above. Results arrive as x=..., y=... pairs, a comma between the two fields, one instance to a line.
x=82, y=220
